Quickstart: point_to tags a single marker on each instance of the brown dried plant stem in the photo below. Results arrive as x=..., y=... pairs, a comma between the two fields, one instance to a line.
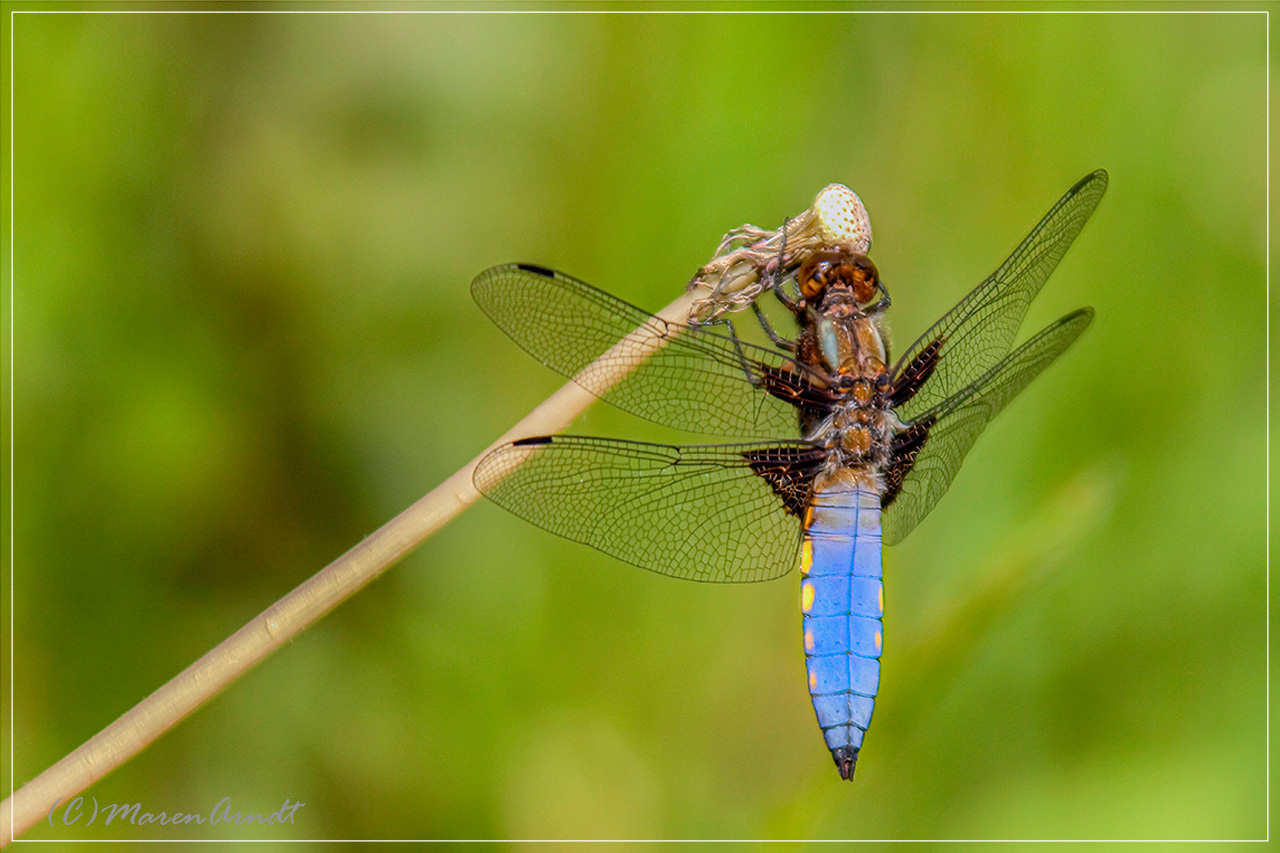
x=280, y=622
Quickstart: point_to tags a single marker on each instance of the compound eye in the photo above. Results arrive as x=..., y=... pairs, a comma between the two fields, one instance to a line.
x=866, y=279
x=813, y=278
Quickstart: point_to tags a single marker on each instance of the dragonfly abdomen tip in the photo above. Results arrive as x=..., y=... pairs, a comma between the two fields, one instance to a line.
x=846, y=757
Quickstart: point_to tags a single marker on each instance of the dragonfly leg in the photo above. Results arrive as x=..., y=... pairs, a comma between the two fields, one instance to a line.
x=778, y=340
x=883, y=302
x=777, y=280
x=791, y=303
x=778, y=275
x=745, y=363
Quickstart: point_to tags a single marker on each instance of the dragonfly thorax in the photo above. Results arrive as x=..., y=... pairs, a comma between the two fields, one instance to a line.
x=855, y=435
x=845, y=345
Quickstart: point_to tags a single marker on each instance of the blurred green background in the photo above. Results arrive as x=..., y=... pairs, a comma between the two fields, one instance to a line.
x=243, y=339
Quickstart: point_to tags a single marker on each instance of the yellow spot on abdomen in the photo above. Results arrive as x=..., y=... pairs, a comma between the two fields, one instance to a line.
x=880, y=594
x=806, y=556
x=813, y=680
x=808, y=641
x=806, y=597
x=877, y=642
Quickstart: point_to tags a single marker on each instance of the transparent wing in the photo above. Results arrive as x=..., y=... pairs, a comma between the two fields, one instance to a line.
x=700, y=513
x=936, y=442
x=699, y=381
x=975, y=334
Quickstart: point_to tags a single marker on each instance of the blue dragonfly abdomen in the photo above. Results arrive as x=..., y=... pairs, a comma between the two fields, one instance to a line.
x=842, y=601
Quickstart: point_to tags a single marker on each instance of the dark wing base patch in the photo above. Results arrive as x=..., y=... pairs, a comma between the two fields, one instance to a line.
x=906, y=446
x=789, y=471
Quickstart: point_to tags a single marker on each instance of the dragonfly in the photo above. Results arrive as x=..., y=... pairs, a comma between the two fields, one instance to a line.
x=838, y=449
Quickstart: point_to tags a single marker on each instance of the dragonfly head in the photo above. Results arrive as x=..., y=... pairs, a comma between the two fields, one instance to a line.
x=840, y=276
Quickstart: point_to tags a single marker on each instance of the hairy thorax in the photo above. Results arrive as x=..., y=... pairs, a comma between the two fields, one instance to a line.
x=842, y=342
